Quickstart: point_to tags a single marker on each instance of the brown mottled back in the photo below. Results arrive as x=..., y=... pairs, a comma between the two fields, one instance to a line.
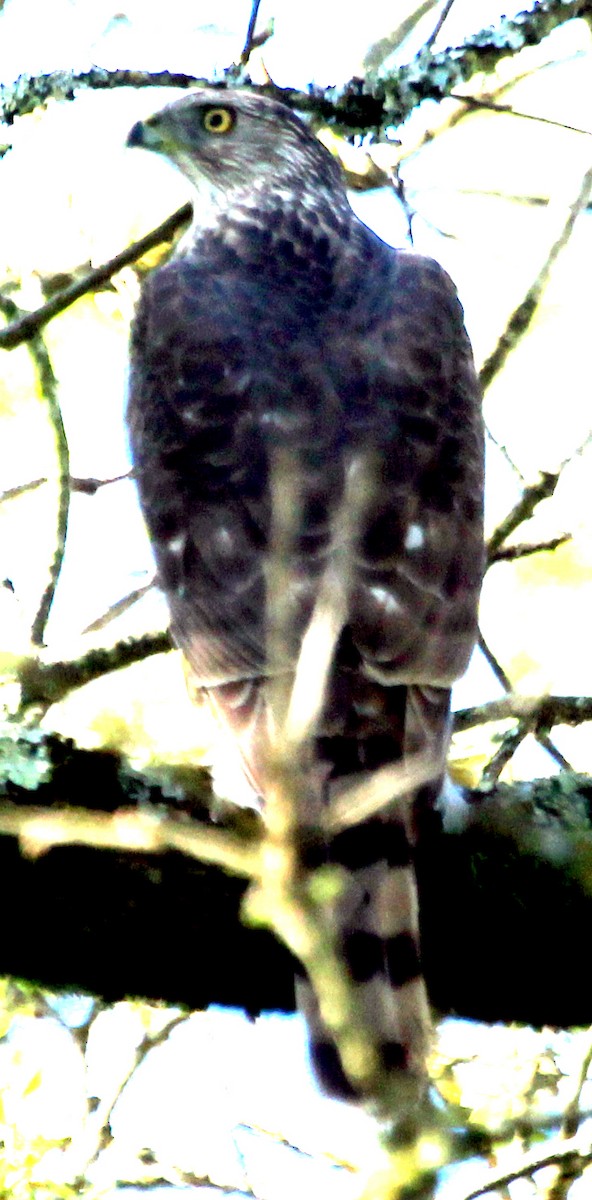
x=283, y=329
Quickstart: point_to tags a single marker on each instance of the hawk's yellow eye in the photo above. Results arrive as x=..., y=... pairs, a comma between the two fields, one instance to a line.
x=218, y=120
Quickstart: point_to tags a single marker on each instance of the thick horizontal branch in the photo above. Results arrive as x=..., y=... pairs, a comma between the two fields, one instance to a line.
x=383, y=99
x=504, y=899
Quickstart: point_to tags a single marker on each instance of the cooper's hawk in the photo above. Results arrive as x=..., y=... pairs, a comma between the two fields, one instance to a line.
x=282, y=329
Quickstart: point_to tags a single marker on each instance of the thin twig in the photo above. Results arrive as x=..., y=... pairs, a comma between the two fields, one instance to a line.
x=545, y=741
x=21, y=489
x=121, y=606
x=49, y=390
x=280, y=1139
x=525, y=549
x=85, y=1149
x=572, y=1115
x=30, y=323
x=249, y=40
x=89, y=487
x=496, y=667
x=398, y=186
x=505, y=453
x=507, y=749
x=522, y=317
x=535, y=1162
x=439, y=24
x=493, y=106
x=522, y=511
x=360, y=801
x=538, y=722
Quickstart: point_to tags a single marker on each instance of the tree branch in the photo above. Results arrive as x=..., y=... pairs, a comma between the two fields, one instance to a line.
x=522, y=511
x=523, y=315
x=49, y=390
x=29, y=324
x=541, y=712
x=44, y=684
x=511, y=883
x=385, y=99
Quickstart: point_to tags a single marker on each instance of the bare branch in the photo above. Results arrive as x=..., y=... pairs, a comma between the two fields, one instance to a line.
x=540, y=712
x=496, y=667
x=121, y=606
x=525, y=549
x=250, y=38
x=49, y=390
x=572, y=1153
x=522, y=317
x=86, y=1148
x=439, y=24
x=39, y=829
x=30, y=323
x=89, y=487
x=21, y=489
x=522, y=511
x=44, y=684
x=32, y=91
x=572, y=1115
x=507, y=749
x=494, y=106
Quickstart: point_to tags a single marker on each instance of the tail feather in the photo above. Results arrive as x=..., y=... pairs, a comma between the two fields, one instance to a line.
x=375, y=915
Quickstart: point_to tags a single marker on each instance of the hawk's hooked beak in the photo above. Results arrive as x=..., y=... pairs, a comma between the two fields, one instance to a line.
x=135, y=136
x=147, y=135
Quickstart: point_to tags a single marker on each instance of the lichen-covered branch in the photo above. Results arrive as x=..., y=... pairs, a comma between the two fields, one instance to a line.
x=434, y=76
x=44, y=684
x=515, y=876
x=29, y=92
x=385, y=98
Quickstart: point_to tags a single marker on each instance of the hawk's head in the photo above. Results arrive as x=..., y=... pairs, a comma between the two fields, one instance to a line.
x=232, y=141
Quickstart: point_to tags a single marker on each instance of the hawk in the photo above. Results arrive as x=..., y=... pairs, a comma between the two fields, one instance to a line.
x=282, y=328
